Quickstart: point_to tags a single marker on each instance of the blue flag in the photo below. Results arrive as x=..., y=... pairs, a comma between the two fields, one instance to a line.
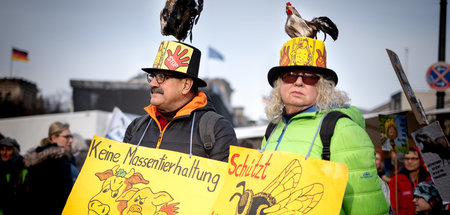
x=212, y=53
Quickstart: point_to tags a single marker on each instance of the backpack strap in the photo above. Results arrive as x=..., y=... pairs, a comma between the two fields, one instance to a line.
x=327, y=131
x=206, y=128
x=269, y=130
x=136, y=127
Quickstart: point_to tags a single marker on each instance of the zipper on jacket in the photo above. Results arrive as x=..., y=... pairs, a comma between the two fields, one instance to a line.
x=159, y=140
x=161, y=134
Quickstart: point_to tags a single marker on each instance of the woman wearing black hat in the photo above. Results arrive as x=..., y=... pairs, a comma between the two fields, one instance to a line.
x=303, y=95
x=12, y=175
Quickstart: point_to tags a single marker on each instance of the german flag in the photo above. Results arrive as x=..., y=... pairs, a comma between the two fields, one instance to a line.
x=19, y=55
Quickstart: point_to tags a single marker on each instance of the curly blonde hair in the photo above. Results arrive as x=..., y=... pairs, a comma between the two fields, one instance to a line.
x=328, y=97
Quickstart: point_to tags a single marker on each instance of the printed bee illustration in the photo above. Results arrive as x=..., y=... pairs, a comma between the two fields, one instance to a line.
x=281, y=196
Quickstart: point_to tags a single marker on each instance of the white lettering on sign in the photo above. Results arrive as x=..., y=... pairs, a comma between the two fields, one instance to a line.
x=172, y=62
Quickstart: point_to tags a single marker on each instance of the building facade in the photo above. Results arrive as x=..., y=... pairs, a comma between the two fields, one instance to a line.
x=19, y=97
x=133, y=95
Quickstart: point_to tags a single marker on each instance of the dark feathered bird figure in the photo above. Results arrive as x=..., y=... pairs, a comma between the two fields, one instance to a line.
x=179, y=16
x=296, y=26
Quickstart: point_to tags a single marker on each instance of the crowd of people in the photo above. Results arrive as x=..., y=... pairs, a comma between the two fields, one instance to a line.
x=303, y=95
x=411, y=189
x=43, y=177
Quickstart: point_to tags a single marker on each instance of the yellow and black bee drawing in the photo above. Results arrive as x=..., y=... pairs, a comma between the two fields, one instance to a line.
x=281, y=196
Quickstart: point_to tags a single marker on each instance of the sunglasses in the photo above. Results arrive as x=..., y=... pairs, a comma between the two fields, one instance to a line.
x=307, y=78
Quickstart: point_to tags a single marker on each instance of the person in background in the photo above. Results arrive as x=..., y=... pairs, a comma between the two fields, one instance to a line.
x=389, y=164
x=379, y=163
x=50, y=177
x=80, y=149
x=427, y=200
x=303, y=94
x=408, y=177
x=12, y=177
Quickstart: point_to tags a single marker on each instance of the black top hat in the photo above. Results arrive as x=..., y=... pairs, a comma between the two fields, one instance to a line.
x=179, y=59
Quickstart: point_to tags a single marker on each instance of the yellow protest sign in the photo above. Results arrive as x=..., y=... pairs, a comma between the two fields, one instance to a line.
x=276, y=182
x=119, y=178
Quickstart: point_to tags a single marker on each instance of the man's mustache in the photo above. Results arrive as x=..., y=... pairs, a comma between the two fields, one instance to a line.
x=156, y=90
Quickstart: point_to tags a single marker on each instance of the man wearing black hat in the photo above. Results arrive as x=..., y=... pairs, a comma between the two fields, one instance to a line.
x=12, y=175
x=177, y=107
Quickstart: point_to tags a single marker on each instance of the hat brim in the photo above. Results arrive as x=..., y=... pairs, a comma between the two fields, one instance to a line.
x=199, y=82
x=275, y=72
x=10, y=143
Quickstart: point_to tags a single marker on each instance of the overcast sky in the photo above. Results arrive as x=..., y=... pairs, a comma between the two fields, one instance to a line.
x=112, y=40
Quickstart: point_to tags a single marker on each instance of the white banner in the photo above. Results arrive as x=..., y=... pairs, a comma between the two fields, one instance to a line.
x=435, y=151
x=117, y=126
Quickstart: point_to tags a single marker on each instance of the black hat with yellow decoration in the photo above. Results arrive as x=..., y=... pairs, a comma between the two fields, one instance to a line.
x=178, y=59
x=302, y=53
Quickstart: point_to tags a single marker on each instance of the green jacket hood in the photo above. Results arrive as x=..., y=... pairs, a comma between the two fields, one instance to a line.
x=354, y=113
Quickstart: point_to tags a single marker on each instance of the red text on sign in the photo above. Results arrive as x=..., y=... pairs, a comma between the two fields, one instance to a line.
x=244, y=169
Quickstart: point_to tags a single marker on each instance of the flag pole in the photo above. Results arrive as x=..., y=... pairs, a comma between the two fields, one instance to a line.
x=396, y=188
x=11, y=65
x=207, y=65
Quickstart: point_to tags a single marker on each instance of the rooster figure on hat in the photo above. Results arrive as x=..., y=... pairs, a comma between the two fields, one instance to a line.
x=296, y=26
x=304, y=49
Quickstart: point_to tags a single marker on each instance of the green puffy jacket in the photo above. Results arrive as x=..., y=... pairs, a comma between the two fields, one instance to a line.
x=350, y=145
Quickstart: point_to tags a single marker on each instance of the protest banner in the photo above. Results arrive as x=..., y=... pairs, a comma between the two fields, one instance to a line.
x=118, y=125
x=274, y=182
x=120, y=178
x=414, y=102
x=394, y=133
x=435, y=151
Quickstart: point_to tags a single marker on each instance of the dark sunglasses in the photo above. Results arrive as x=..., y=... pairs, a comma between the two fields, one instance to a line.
x=307, y=78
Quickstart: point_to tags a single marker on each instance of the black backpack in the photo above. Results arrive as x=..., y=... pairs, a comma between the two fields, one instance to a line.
x=326, y=131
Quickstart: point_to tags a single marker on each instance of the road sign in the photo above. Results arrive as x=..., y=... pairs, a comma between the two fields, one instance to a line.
x=438, y=76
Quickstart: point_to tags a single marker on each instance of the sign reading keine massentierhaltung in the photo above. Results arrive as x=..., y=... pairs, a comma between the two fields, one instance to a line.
x=120, y=178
